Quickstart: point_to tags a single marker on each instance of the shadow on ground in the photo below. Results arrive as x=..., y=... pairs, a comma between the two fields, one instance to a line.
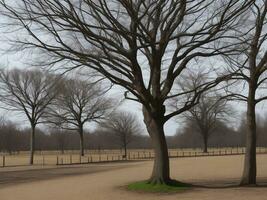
x=226, y=183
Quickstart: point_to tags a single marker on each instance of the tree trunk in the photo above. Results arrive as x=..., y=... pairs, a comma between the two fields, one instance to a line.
x=250, y=165
x=81, y=141
x=125, y=151
x=155, y=128
x=205, y=143
x=32, y=144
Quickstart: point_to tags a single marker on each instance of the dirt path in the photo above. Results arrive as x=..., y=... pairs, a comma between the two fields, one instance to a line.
x=12, y=176
x=107, y=184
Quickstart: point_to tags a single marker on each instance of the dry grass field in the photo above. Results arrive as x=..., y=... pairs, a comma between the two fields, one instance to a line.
x=72, y=157
x=214, y=177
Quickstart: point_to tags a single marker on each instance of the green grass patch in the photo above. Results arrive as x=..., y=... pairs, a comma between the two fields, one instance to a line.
x=144, y=186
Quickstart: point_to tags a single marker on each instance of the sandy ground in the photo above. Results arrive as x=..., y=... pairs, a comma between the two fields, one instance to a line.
x=216, y=178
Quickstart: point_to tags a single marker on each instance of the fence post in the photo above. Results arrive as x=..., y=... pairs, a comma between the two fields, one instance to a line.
x=57, y=160
x=43, y=160
x=4, y=161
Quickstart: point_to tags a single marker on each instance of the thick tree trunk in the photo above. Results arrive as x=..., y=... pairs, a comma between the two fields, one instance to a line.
x=81, y=141
x=161, y=169
x=250, y=166
x=32, y=144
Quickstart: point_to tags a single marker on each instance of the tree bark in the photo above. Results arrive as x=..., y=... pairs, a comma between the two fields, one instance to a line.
x=32, y=144
x=250, y=165
x=155, y=128
x=81, y=141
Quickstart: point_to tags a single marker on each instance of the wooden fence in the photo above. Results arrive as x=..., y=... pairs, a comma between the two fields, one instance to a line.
x=49, y=158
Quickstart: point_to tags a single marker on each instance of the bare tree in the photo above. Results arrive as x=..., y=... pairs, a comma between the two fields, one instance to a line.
x=78, y=103
x=212, y=109
x=143, y=46
x=28, y=92
x=124, y=126
x=208, y=114
x=251, y=67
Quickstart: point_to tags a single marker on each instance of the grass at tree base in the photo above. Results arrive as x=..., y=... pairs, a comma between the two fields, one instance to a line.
x=145, y=186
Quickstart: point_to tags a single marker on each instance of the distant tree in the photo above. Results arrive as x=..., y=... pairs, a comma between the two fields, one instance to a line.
x=78, y=103
x=28, y=92
x=188, y=136
x=207, y=115
x=60, y=137
x=210, y=108
x=124, y=126
x=8, y=136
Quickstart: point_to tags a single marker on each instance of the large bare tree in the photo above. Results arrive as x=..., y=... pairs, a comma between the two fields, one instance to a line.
x=28, y=92
x=78, y=103
x=143, y=46
x=251, y=64
x=124, y=126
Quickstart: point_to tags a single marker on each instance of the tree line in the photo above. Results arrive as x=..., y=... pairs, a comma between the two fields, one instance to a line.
x=151, y=48
x=14, y=139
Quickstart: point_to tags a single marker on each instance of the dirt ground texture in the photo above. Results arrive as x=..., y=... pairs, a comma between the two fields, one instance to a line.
x=215, y=177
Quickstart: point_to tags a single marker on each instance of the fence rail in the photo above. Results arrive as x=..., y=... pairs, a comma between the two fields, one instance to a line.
x=92, y=156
